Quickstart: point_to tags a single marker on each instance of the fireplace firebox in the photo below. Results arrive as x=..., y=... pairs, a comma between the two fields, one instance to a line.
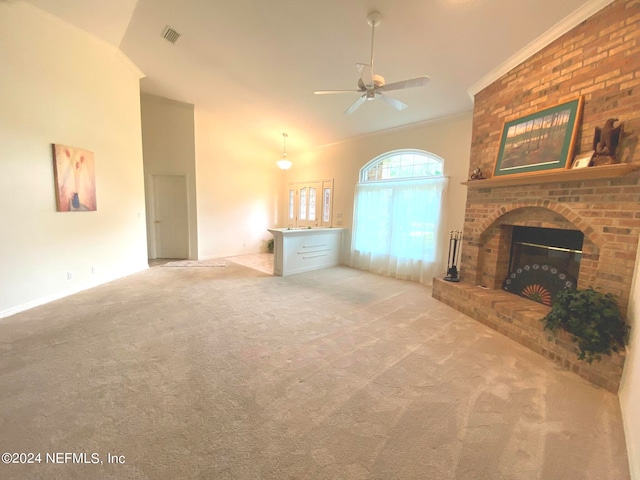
x=542, y=262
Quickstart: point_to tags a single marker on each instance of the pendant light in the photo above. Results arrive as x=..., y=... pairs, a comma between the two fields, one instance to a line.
x=284, y=164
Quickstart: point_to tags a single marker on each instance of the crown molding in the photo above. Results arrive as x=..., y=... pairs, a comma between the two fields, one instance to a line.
x=555, y=32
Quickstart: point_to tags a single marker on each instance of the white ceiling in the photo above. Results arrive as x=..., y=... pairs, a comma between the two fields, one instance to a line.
x=254, y=64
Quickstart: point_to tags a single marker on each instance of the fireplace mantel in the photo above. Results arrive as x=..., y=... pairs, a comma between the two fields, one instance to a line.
x=570, y=175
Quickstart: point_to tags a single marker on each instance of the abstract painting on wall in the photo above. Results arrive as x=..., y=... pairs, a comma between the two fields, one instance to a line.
x=74, y=173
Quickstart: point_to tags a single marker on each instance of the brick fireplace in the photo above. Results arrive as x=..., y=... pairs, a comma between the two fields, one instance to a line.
x=606, y=211
x=598, y=61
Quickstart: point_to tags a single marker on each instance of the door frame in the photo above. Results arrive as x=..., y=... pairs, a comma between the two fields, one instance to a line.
x=320, y=185
x=151, y=231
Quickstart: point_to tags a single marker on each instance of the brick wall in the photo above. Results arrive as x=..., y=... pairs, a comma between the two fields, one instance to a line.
x=599, y=60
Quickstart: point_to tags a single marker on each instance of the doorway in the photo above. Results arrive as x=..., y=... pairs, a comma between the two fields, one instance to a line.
x=169, y=226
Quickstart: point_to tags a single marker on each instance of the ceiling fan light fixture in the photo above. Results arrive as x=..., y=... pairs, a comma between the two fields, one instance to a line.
x=372, y=86
x=283, y=163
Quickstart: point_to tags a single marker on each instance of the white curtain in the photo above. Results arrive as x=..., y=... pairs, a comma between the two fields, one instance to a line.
x=397, y=228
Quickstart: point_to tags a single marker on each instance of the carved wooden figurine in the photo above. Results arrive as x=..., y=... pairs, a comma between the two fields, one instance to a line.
x=605, y=142
x=477, y=174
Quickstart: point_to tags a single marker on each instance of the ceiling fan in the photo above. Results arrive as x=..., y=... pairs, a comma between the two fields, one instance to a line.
x=374, y=87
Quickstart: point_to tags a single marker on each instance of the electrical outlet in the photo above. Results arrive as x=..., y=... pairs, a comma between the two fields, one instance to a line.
x=69, y=275
x=94, y=269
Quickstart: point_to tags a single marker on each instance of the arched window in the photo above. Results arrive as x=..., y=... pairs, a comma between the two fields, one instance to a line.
x=402, y=164
x=398, y=215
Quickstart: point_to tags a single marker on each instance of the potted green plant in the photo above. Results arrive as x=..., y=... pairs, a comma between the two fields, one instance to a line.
x=592, y=318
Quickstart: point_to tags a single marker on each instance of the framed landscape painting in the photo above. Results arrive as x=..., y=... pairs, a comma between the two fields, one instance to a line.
x=75, y=179
x=539, y=142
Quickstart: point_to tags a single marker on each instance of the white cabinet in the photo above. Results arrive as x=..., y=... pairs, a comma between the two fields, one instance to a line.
x=302, y=250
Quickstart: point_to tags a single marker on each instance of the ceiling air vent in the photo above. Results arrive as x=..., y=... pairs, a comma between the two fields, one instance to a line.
x=170, y=35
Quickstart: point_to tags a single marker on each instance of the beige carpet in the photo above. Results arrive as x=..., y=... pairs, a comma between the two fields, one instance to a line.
x=229, y=373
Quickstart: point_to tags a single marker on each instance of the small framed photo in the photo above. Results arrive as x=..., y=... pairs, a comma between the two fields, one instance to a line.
x=583, y=160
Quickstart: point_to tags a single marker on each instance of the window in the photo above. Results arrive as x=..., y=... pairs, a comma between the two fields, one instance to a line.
x=292, y=204
x=402, y=164
x=326, y=205
x=398, y=211
x=303, y=203
x=311, y=206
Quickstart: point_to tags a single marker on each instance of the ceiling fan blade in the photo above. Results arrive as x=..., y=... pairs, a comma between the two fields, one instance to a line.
x=411, y=83
x=397, y=104
x=326, y=92
x=354, y=106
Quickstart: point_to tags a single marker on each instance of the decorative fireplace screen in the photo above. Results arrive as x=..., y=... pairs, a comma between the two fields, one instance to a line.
x=543, y=261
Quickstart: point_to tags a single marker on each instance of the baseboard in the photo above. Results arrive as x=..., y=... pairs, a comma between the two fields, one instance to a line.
x=633, y=446
x=221, y=256
x=629, y=409
x=65, y=293
x=634, y=462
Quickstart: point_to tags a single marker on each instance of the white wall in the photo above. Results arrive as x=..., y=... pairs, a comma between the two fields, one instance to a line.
x=168, y=139
x=630, y=388
x=449, y=138
x=238, y=184
x=61, y=85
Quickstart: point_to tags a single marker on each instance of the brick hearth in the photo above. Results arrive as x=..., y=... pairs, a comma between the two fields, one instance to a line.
x=519, y=319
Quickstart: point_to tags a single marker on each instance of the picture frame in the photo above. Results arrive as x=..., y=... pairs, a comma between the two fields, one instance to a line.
x=74, y=177
x=539, y=142
x=583, y=160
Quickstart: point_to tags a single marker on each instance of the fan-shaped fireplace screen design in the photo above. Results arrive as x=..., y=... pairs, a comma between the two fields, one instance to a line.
x=543, y=261
x=539, y=283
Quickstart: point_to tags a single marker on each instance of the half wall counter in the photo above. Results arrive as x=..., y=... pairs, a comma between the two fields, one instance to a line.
x=298, y=250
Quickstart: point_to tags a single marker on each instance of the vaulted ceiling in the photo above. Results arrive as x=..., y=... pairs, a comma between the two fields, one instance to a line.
x=255, y=63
